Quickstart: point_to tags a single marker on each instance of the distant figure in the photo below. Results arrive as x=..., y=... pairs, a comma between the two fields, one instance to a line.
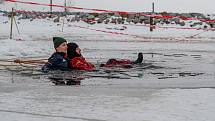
x=78, y=62
x=59, y=59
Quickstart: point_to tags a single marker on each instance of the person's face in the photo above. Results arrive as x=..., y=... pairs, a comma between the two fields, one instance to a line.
x=62, y=48
x=78, y=50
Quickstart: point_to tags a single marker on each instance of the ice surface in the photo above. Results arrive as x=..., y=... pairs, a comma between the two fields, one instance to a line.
x=178, y=86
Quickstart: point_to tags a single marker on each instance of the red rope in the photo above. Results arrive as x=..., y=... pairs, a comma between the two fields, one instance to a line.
x=111, y=11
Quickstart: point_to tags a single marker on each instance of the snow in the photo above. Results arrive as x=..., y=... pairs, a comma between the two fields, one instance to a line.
x=107, y=103
x=28, y=29
x=141, y=98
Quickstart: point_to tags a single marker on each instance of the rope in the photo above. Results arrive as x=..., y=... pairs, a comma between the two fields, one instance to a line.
x=138, y=36
x=110, y=11
x=29, y=61
x=24, y=63
x=192, y=36
x=17, y=28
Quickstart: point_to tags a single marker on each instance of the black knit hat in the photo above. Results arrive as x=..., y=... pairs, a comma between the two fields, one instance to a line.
x=58, y=41
x=71, y=50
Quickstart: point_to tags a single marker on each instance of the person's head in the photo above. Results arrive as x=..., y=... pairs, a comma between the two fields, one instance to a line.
x=73, y=50
x=60, y=44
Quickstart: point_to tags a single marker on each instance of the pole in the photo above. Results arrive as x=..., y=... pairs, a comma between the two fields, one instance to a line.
x=51, y=6
x=151, y=19
x=11, y=25
x=17, y=28
x=153, y=7
x=151, y=24
x=63, y=24
x=65, y=6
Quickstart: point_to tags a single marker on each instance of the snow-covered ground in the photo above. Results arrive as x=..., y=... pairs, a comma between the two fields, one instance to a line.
x=41, y=29
x=180, y=89
x=104, y=103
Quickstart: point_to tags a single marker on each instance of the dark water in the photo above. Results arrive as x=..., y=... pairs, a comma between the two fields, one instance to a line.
x=166, y=69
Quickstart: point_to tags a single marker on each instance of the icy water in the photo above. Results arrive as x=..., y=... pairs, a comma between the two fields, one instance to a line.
x=160, y=69
x=175, y=82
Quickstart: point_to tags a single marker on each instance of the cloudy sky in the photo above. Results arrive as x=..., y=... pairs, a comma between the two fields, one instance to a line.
x=202, y=6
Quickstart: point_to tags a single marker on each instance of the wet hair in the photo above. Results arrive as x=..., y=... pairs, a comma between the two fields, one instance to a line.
x=71, y=50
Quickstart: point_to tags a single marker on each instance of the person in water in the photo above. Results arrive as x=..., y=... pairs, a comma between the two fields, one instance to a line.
x=59, y=59
x=78, y=62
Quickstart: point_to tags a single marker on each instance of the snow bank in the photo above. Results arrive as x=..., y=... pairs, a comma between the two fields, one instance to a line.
x=102, y=103
x=46, y=29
